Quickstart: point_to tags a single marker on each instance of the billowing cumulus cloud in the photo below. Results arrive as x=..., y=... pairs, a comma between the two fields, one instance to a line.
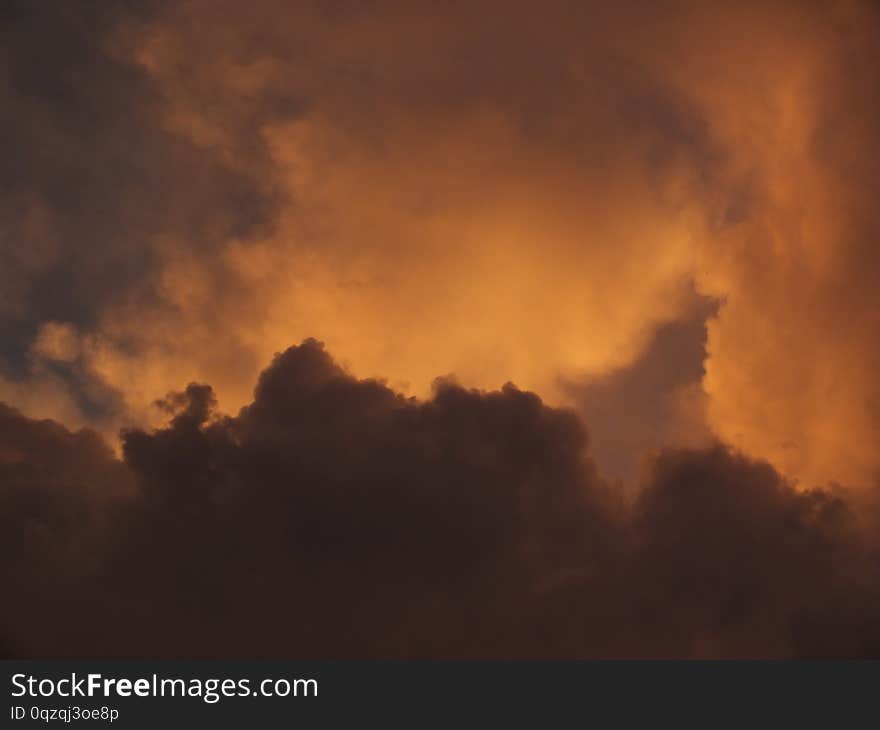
x=335, y=517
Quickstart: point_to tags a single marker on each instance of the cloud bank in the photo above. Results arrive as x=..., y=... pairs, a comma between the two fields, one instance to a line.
x=334, y=517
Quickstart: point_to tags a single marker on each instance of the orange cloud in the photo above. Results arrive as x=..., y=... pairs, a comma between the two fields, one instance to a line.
x=507, y=194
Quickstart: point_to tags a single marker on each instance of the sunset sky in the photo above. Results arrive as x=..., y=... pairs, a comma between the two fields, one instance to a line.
x=529, y=329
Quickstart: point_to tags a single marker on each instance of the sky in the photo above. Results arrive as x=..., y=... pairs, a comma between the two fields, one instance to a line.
x=531, y=330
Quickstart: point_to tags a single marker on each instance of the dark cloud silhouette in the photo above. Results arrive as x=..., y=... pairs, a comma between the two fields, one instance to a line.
x=332, y=517
x=730, y=560
x=57, y=489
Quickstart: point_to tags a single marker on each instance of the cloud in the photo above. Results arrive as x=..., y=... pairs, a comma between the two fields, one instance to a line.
x=57, y=490
x=435, y=190
x=657, y=401
x=417, y=232
x=793, y=348
x=336, y=517
x=88, y=199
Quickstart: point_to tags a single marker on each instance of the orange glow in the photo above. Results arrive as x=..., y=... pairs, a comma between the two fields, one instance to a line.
x=533, y=217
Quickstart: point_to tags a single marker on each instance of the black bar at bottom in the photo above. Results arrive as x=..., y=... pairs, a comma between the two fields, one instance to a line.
x=416, y=693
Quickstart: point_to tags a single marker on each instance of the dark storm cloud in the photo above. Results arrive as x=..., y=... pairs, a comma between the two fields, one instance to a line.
x=334, y=517
x=56, y=491
x=748, y=566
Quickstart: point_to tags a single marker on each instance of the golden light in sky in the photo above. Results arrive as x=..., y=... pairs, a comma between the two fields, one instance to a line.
x=528, y=214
